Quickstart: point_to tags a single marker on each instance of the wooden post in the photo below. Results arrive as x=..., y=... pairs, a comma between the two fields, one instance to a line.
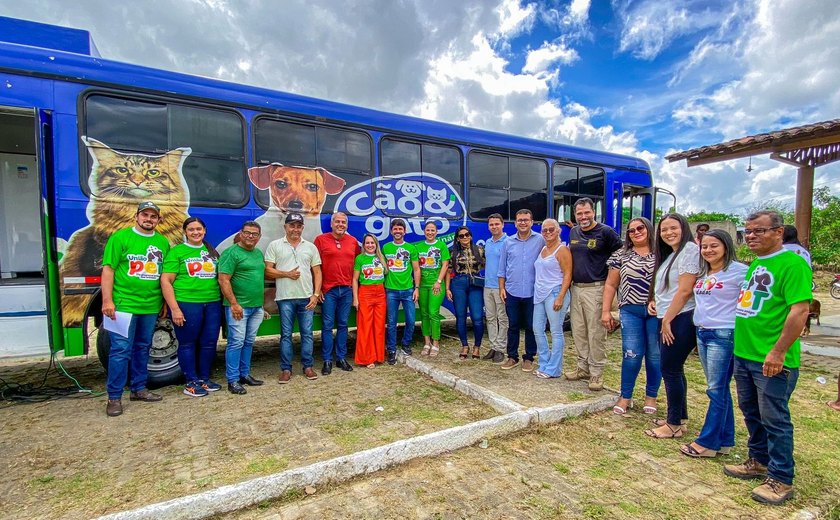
x=804, y=203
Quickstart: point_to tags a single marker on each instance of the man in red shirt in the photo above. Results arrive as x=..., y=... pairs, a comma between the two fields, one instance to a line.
x=338, y=252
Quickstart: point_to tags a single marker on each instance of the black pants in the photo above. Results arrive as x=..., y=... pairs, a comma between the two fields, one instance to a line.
x=520, y=312
x=672, y=360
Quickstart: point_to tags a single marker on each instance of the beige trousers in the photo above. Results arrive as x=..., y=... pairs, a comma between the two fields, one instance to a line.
x=589, y=334
x=497, y=320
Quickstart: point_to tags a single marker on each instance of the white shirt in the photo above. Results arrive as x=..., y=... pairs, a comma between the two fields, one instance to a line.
x=687, y=262
x=799, y=250
x=716, y=296
x=285, y=258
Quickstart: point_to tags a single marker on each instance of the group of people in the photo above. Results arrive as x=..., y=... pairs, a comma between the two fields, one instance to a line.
x=675, y=293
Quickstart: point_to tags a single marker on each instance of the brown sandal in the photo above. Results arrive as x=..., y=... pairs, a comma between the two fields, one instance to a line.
x=476, y=353
x=675, y=433
x=465, y=352
x=691, y=451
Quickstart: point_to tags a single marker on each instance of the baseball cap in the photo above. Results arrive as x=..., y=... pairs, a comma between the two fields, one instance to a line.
x=294, y=217
x=148, y=205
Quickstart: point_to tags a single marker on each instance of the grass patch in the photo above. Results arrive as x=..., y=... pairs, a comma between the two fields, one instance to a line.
x=267, y=465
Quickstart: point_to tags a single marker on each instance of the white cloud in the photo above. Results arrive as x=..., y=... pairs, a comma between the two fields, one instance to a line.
x=539, y=60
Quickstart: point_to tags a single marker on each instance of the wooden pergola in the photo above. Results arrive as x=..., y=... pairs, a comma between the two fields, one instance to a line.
x=805, y=147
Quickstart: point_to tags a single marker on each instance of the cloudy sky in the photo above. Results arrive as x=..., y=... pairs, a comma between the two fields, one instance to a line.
x=641, y=77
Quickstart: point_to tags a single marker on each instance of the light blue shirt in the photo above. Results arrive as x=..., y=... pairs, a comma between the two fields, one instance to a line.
x=516, y=264
x=492, y=253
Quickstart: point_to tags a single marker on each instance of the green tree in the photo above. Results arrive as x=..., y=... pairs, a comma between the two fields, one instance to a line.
x=714, y=216
x=825, y=228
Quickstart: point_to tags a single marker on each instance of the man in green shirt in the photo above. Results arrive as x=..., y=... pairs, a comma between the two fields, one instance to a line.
x=771, y=311
x=241, y=273
x=131, y=266
x=402, y=285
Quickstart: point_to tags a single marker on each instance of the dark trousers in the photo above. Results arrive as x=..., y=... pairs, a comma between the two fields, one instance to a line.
x=520, y=313
x=764, y=402
x=673, y=358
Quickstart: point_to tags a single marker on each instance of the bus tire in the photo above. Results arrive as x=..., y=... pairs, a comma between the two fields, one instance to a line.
x=163, y=356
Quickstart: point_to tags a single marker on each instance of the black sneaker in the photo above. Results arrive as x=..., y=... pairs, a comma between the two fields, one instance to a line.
x=406, y=350
x=392, y=357
x=236, y=388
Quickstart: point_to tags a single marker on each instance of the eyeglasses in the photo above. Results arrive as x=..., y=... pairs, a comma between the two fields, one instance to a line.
x=549, y=229
x=637, y=229
x=759, y=231
x=250, y=233
x=464, y=235
x=523, y=220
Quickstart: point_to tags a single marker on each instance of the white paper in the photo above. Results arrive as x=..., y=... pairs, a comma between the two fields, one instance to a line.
x=119, y=325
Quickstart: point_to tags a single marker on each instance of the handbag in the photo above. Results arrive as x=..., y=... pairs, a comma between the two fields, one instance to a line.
x=477, y=281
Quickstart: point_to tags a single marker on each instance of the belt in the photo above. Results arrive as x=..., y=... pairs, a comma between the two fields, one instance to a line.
x=589, y=284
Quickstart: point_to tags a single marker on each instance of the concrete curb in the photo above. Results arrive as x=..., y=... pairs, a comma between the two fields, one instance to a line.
x=251, y=492
x=496, y=401
x=555, y=414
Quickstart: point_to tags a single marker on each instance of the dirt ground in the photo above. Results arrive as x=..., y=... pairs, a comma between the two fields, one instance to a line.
x=66, y=459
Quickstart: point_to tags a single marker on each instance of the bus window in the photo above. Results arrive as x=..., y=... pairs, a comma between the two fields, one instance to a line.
x=345, y=153
x=444, y=162
x=215, y=167
x=591, y=183
x=634, y=200
x=504, y=185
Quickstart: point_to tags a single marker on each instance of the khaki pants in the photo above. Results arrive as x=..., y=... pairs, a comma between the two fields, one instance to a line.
x=497, y=320
x=589, y=334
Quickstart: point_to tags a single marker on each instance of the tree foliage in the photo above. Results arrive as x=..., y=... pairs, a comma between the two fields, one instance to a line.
x=825, y=228
x=714, y=216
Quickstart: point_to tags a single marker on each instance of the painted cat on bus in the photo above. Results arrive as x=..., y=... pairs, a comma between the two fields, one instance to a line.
x=118, y=182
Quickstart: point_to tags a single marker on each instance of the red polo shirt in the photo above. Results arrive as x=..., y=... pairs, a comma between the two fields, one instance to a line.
x=337, y=257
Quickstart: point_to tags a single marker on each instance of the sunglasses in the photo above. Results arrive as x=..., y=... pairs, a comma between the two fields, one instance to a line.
x=637, y=229
x=464, y=235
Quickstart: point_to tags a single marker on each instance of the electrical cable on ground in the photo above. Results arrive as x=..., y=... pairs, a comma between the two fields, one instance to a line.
x=12, y=392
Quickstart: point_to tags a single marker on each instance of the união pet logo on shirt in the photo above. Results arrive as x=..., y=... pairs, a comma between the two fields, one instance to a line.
x=145, y=267
x=203, y=267
x=430, y=259
x=399, y=262
x=754, y=292
x=373, y=270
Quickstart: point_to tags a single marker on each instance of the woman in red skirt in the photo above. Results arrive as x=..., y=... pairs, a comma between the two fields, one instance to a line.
x=369, y=300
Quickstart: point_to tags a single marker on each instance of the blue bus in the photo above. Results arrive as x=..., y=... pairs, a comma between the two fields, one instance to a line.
x=84, y=139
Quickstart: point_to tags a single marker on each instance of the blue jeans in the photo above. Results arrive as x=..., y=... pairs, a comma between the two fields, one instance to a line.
x=672, y=361
x=639, y=339
x=551, y=360
x=715, y=347
x=334, y=313
x=764, y=402
x=466, y=295
x=241, y=336
x=393, y=298
x=289, y=310
x=200, y=332
x=134, y=348
x=520, y=313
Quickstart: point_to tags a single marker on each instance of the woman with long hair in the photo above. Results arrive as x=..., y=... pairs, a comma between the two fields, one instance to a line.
x=677, y=265
x=369, y=273
x=191, y=290
x=434, y=261
x=630, y=275
x=716, y=296
x=465, y=291
x=552, y=279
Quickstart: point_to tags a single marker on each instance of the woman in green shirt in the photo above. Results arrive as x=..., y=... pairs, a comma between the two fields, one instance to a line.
x=369, y=299
x=192, y=294
x=434, y=260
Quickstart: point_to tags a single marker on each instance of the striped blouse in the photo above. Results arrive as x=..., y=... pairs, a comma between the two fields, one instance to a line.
x=636, y=274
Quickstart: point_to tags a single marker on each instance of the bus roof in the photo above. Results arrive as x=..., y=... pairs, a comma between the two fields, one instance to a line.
x=74, y=57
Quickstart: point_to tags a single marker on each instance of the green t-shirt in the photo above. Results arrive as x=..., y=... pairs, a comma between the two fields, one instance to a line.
x=195, y=273
x=247, y=274
x=431, y=257
x=136, y=260
x=400, y=272
x=371, y=270
x=773, y=284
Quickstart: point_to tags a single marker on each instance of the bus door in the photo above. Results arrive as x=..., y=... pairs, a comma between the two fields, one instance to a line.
x=650, y=203
x=24, y=328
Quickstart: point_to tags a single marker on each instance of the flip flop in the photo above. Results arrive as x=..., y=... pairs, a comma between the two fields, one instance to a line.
x=618, y=410
x=541, y=375
x=691, y=451
x=834, y=405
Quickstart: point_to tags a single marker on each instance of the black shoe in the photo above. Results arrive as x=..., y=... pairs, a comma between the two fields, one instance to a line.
x=236, y=388
x=392, y=357
x=406, y=350
x=249, y=380
x=489, y=356
x=327, y=368
x=344, y=365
